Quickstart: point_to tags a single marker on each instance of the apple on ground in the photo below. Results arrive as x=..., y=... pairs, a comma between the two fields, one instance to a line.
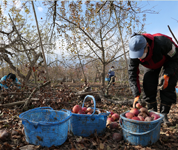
x=113, y=125
x=117, y=137
x=115, y=116
x=111, y=112
x=109, y=120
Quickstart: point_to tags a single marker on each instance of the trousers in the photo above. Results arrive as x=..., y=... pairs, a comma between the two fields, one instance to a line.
x=150, y=87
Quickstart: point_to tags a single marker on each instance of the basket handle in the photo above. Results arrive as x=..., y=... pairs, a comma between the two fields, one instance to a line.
x=135, y=133
x=93, y=101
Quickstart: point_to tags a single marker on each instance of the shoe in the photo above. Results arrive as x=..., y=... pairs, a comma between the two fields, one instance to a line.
x=164, y=110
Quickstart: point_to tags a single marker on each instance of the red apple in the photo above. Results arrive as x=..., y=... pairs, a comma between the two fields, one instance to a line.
x=129, y=115
x=155, y=116
x=135, y=111
x=84, y=109
x=141, y=118
x=115, y=116
x=89, y=109
x=109, y=120
x=117, y=137
x=113, y=125
x=111, y=112
x=135, y=118
x=148, y=119
x=150, y=113
x=76, y=108
x=81, y=112
x=89, y=113
x=138, y=106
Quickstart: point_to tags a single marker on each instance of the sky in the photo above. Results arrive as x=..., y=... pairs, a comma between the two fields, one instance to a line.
x=168, y=15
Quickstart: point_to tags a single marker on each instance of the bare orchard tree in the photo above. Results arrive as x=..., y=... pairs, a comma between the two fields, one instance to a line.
x=19, y=43
x=88, y=35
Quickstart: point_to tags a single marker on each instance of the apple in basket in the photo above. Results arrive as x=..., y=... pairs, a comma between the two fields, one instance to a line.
x=129, y=115
x=76, y=109
x=81, y=112
x=155, y=116
x=138, y=106
x=89, y=109
x=134, y=111
x=84, y=109
x=141, y=118
x=135, y=118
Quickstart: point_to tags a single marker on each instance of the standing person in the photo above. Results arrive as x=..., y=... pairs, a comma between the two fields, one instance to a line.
x=111, y=73
x=158, y=53
x=9, y=80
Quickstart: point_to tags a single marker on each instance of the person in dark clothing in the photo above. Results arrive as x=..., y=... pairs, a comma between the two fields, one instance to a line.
x=8, y=80
x=159, y=54
x=111, y=73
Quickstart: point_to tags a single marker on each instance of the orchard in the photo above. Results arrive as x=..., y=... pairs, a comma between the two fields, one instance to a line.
x=60, y=52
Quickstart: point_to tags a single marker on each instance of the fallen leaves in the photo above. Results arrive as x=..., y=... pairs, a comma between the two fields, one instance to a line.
x=15, y=139
x=4, y=135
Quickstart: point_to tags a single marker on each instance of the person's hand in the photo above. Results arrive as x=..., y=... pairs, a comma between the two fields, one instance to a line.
x=136, y=101
x=163, y=82
x=140, y=101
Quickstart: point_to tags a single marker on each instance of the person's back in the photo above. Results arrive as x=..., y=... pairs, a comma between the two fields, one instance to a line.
x=111, y=74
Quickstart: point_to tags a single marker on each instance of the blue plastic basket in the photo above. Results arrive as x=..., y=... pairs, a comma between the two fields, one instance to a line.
x=107, y=79
x=45, y=126
x=85, y=125
x=141, y=132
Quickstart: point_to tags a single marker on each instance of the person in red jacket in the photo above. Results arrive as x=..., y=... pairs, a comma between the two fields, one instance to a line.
x=159, y=55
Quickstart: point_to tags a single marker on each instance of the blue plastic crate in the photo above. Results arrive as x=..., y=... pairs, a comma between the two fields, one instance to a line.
x=141, y=132
x=85, y=125
x=45, y=126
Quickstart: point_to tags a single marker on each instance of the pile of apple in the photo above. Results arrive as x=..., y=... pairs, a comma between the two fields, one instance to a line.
x=112, y=120
x=141, y=114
